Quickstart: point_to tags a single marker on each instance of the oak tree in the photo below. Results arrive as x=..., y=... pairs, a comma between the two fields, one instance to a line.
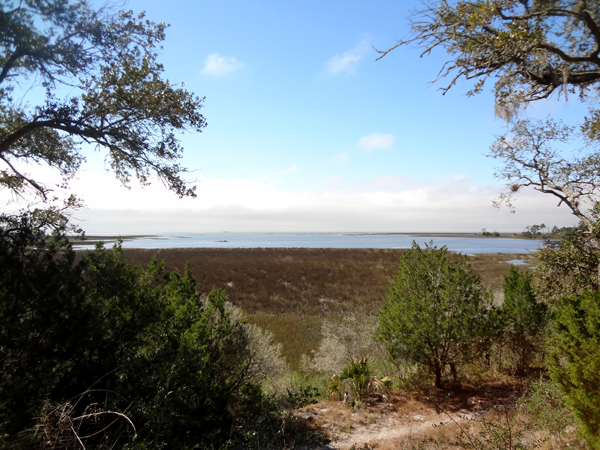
x=94, y=78
x=531, y=158
x=530, y=50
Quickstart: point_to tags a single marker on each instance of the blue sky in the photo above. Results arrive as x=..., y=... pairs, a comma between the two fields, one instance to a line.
x=307, y=132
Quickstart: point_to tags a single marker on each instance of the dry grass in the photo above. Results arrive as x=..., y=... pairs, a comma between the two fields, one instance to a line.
x=291, y=291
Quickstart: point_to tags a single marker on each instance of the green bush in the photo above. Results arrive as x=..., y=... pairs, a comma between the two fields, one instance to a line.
x=574, y=361
x=546, y=404
x=435, y=311
x=523, y=317
x=359, y=381
x=111, y=353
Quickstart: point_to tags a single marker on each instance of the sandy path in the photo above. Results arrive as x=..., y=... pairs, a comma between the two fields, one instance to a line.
x=383, y=424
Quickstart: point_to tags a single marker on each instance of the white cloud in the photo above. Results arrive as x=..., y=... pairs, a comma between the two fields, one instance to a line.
x=375, y=142
x=347, y=61
x=218, y=66
x=341, y=157
x=247, y=205
x=383, y=203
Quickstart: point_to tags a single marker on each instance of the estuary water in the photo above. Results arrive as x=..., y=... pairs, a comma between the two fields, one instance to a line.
x=465, y=245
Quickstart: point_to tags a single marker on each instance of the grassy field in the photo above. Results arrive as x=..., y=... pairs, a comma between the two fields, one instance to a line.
x=291, y=291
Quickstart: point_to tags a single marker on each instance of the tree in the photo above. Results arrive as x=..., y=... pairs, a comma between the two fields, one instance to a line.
x=532, y=50
x=434, y=311
x=530, y=159
x=570, y=269
x=117, y=99
x=523, y=315
x=574, y=362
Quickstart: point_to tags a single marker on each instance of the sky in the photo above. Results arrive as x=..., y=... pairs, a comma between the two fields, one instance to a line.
x=307, y=132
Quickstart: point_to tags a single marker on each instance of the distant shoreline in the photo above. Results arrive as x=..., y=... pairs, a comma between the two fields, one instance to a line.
x=438, y=235
x=111, y=239
x=94, y=239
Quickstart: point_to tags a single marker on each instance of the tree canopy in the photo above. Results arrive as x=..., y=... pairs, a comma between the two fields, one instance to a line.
x=100, y=83
x=533, y=50
x=530, y=50
x=531, y=159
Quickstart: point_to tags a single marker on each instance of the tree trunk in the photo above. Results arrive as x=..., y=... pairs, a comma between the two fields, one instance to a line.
x=454, y=373
x=438, y=376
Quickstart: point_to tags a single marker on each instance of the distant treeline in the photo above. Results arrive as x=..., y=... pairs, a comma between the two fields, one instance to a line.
x=543, y=232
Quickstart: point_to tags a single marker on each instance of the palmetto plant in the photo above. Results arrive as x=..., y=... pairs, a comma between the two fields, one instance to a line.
x=358, y=380
x=357, y=376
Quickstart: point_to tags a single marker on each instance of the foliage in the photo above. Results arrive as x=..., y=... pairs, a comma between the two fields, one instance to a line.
x=574, y=361
x=102, y=335
x=358, y=375
x=117, y=99
x=357, y=381
x=261, y=421
x=41, y=319
x=531, y=49
x=542, y=232
x=546, y=404
x=531, y=159
x=487, y=233
x=503, y=432
x=524, y=317
x=570, y=269
x=435, y=310
x=302, y=394
x=343, y=341
x=266, y=362
x=535, y=231
x=292, y=292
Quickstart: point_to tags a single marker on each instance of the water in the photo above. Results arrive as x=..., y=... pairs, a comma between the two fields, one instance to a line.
x=518, y=262
x=329, y=240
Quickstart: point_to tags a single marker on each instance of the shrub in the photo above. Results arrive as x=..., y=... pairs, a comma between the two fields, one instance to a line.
x=574, y=361
x=358, y=380
x=434, y=311
x=546, y=404
x=105, y=335
x=503, y=429
x=344, y=341
x=523, y=317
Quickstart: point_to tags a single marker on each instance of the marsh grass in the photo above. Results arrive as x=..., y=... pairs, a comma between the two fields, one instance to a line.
x=298, y=334
x=290, y=292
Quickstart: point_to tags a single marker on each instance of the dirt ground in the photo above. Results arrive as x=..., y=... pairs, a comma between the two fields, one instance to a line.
x=437, y=419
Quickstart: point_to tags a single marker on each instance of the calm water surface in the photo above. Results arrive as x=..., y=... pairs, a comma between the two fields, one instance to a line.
x=329, y=240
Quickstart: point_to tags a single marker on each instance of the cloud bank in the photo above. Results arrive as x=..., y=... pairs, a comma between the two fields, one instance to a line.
x=383, y=204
